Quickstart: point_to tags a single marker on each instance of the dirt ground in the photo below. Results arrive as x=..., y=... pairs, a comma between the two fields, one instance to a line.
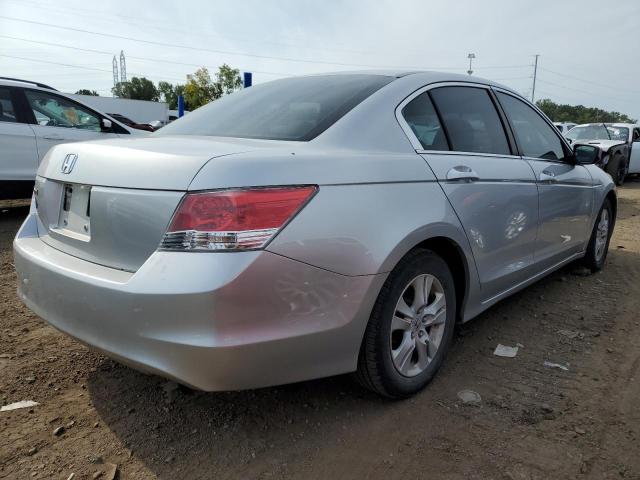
x=533, y=422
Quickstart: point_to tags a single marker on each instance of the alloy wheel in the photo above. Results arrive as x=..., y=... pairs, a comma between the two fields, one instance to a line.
x=418, y=325
x=602, y=234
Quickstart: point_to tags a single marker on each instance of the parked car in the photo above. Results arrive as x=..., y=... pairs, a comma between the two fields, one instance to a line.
x=130, y=123
x=616, y=141
x=310, y=226
x=34, y=117
x=564, y=127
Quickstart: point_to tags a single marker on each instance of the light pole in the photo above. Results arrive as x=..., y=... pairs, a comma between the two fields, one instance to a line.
x=471, y=56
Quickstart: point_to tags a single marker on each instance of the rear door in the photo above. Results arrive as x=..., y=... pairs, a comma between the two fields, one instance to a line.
x=460, y=133
x=60, y=120
x=566, y=190
x=18, y=153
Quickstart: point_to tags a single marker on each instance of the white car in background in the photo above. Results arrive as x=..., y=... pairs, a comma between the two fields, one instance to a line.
x=33, y=118
x=564, y=127
x=619, y=145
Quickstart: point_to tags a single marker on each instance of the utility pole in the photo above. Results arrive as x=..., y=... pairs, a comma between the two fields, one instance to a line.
x=471, y=56
x=535, y=74
x=115, y=73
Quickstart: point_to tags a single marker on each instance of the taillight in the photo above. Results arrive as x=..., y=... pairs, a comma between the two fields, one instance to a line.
x=233, y=219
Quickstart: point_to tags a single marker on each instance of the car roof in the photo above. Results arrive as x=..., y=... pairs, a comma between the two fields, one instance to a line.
x=17, y=82
x=424, y=77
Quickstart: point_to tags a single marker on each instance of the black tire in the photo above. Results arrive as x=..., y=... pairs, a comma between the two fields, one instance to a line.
x=617, y=168
x=376, y=370
x=591, y=260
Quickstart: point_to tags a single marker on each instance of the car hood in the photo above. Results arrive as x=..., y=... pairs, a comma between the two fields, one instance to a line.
x=604, y=145
x=145, y=162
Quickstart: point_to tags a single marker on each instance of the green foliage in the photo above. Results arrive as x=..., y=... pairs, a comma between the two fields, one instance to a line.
x=170, y=94
x=580, y=113
x=84, y=91
x=199, y=90
x=137, y=89
x=202, y=89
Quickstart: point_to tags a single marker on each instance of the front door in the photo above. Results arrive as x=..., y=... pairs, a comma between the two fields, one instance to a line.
x=566, y=193
x=60, y=120
x=634, y=156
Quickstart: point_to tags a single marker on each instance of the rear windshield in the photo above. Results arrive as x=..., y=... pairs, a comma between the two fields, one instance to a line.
x=290, y=109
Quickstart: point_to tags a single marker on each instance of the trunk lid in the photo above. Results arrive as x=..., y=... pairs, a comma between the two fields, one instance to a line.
x=109, y=202
x=156, y=163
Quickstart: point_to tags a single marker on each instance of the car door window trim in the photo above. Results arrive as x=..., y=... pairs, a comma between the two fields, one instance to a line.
x=413, y=139
x=563, y=142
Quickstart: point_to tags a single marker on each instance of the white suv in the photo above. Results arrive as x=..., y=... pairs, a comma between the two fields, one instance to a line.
x=33, y=118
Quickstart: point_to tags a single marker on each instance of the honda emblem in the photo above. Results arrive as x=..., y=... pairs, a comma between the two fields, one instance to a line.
x=68, y=163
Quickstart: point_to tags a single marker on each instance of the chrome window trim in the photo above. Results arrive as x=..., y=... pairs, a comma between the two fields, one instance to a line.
x=422, y=151
x=415, y=143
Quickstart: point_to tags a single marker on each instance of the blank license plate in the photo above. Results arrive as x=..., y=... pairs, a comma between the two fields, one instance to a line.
x=74, y=217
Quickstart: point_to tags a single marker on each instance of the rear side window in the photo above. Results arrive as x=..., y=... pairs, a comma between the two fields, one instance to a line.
x=471, y=120
x=298, y=108
x=535, y=137
x=423, y=121
x=7, y=111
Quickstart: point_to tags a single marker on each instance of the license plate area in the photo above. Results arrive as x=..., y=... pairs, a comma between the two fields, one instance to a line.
x=74, y=219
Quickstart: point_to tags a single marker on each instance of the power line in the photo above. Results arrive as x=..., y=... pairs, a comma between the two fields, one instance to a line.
x=164, y=28
x=227, y=52
x=585, y=81
x=78, y=66
x=103, y=52
x=153, y=23
x=188, y=47
x=582, y=91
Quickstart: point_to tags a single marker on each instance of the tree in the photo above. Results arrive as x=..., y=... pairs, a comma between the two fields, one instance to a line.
x=84, y=91
x=138, y=88
x=580, y=113
x=170, y=94
x=200, y=89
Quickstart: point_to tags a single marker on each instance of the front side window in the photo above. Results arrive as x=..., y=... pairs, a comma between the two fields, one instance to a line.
x=471, y=120
x=423, y=121
x=54, y=111
x=535, y=136
x=636, y=134
x=7, y=111
x=298, y=108
x=589, y=132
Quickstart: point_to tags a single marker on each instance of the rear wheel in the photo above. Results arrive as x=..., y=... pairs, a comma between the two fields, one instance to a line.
x=411, y=327
x=617, y=168
x=600, y=237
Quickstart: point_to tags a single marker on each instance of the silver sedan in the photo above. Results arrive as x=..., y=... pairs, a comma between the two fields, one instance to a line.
x=308, y=227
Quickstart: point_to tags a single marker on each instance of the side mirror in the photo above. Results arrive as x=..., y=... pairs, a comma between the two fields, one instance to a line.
x=106, y=124
x=586, y=154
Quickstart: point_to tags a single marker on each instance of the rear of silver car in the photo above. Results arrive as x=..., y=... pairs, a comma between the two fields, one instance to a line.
x=98, y=262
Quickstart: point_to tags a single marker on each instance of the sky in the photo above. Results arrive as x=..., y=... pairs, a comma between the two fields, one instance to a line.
x=589, y=50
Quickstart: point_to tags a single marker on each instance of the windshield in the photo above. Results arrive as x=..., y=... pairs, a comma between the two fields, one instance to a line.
x=290, y=109
x=618, y=133
x=588, y=132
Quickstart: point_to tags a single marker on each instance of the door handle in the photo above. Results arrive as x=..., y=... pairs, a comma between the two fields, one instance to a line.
x=462, y=173
x=548, y=176
x=52, y=137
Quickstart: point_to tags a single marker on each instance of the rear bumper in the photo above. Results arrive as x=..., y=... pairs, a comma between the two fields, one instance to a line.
x=214, y=321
